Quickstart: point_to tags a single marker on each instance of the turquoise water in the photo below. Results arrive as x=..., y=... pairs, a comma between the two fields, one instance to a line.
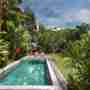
x=27, y=73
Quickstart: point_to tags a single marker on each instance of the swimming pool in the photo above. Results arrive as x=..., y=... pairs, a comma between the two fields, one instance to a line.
x=27, y=72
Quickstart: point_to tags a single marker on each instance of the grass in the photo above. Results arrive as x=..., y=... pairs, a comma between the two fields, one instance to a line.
x=63, y=63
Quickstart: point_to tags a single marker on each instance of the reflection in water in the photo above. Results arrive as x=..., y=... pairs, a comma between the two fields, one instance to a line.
x=27, y=73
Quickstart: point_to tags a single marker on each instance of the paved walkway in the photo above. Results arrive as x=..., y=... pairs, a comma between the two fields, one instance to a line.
x=61, y=82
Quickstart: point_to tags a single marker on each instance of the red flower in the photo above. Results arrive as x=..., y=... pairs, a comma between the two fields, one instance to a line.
x=18, y=50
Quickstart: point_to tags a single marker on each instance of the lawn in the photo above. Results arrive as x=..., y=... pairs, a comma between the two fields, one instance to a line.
x=62, y=62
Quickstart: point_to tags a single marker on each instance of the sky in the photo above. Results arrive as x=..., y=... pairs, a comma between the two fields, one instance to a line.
x=59, y=12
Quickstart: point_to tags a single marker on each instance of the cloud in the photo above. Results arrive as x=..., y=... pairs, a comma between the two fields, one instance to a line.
x=82, y=15
x=54, y=21
x=47, y=8
x=60, y=12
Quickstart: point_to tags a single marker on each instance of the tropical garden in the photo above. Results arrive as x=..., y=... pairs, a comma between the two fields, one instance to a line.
x=68, y=48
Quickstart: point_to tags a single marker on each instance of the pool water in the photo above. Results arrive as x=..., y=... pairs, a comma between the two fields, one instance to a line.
x=28, y=72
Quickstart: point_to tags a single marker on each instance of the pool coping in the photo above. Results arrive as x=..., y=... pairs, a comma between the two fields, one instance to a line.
x=61, y=80
x=30, y=87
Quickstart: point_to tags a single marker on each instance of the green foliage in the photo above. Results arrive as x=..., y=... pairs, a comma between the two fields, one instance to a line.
x=23, y=40
x=4, y=50
x=15, y=36
x=11, y=33
x=80, y=54
x=56, y=41
x=83, y=27
x=14, y=3
x=75, y=44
